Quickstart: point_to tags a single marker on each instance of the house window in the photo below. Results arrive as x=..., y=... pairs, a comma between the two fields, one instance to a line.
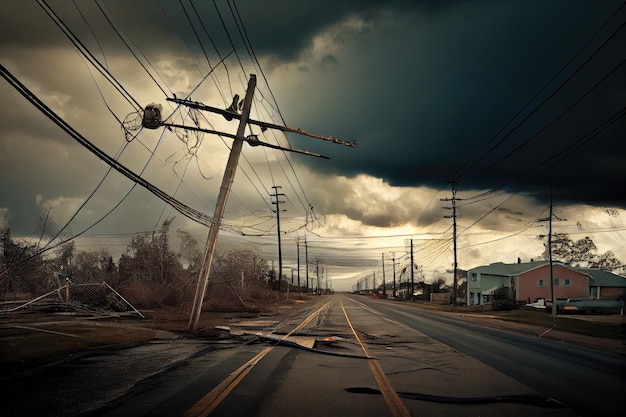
x=474, y=277
x=568, y=282
x=540, y=283
x=556, y=282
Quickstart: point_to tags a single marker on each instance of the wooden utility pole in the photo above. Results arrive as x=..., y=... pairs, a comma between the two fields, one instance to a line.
x=454, y=199
x=412, y=274
x=306, y=263
x=393, y=259
x=550, y=219
x=384, y=283
x=230, y=113
x=374, y=284
x=550, y=260
x=220, y=206
x=277, y=202
x=317, y=274
x=298, y=256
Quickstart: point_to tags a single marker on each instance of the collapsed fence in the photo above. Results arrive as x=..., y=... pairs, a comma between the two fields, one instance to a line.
x=87, y=297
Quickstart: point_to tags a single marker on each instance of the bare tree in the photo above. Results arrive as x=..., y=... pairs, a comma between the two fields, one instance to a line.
x=152, y=270
x=91, y=267
x=582, y=252
x=229, y=267
x=23, y=268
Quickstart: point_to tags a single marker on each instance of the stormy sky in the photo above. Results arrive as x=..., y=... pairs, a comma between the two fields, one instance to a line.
x=510, y=100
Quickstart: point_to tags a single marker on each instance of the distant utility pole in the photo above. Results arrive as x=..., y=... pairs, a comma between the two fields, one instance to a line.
x=549, y=220
x=298, y=256
x=306, y=263
x=412, y=274
x=277, y=202
x=374, y=279
x=454, y=199
x=550, y=260
x=393, y=259
x=220, y=205
x=384, y=284
x=317, y=273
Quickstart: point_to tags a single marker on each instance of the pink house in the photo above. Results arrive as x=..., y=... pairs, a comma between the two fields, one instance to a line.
x=525, y=282
x=535, y=283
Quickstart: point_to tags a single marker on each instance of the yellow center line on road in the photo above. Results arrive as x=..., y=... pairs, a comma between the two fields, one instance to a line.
x=394, y=403
x=209, y=402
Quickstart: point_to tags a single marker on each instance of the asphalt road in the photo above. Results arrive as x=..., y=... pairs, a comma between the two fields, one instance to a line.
x=589, y=381
x=344, y=356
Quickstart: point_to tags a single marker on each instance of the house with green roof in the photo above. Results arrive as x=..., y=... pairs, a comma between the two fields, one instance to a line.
x=528, y=281
x=605, y=284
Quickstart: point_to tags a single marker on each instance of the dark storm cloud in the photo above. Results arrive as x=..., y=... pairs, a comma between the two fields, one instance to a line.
x=421, y=87
x=284, y=29
x=424, y=108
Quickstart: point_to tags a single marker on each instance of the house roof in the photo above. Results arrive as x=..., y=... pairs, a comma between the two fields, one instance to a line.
x=599, y=277
x=603, y=278
x=503, y=269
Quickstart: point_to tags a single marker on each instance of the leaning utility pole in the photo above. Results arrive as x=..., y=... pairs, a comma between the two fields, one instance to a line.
x=276, y=202
x=454, y=199
x=220, y=205
x=152, y=120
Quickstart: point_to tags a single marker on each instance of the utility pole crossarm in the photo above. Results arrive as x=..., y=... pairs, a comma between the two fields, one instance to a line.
x=228, y=114
x=252, y=139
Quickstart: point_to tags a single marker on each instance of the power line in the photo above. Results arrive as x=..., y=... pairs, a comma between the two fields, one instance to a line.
x=126, y=43
x=88, y=55
x=188, y=212
x=465, y=168
x=563, y=112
